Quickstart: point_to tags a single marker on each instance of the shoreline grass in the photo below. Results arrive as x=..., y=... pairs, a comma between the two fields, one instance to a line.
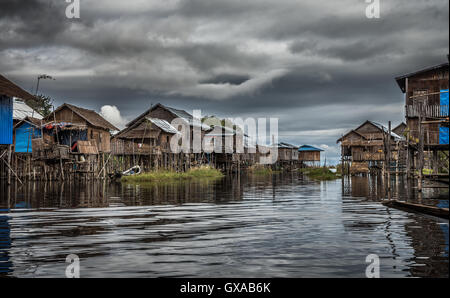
x=322, y=174
x=261, y=170
x=203, y=172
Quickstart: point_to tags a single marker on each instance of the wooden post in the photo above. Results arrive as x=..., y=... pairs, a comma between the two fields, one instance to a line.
x=435, y=162
x=408, y=157
x=420, y=155
x=9, y=162
x=388, y=159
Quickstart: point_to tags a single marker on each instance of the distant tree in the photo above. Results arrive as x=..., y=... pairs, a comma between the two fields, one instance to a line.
x=43, y=105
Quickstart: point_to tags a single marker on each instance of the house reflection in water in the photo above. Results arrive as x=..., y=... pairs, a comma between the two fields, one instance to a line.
x=430, y=252
x=5, y=243
x=427, y=235
x=370, y=187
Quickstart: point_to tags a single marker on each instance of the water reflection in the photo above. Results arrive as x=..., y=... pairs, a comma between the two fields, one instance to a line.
x=374, y=188
x=260, y=226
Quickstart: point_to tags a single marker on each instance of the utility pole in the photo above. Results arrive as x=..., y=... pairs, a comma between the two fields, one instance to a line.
x=43, y=77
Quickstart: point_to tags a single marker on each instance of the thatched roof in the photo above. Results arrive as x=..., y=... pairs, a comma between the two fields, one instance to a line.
x=10, y=89
x=92, y=117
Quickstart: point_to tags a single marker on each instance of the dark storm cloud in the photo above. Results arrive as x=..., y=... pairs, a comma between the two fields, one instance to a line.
x=320, y=66
x=30, y=23
x=233, y=79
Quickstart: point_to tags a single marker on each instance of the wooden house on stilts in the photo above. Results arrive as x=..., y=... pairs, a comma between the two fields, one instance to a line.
x=146, y=140
x=309, y=156
x=363, y=150
x=427, y=121
x=74, y=140
x=11, y=97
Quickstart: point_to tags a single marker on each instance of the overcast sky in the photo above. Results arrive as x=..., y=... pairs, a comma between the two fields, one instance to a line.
x=322, y=67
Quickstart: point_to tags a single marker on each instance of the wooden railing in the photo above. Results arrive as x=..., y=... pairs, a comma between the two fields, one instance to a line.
x=367, y=156
x=432, y=111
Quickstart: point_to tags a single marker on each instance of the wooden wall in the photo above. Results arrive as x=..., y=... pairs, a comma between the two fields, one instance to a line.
x=309, y=156
x=99, y=137
x=429, y=82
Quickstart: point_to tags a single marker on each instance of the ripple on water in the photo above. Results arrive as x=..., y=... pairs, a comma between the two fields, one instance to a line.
x=284, y=226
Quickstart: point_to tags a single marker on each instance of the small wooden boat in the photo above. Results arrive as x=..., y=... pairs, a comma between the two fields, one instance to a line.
x=426, y=209
x=136, y=170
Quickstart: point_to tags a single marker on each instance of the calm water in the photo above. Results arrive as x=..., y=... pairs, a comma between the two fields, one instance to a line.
x=280, y=226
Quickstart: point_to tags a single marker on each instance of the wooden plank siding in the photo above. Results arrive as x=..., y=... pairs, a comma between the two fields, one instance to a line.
x=424, y=88
x=309, y=156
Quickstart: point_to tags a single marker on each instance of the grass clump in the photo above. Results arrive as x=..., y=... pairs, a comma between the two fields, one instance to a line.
x=203, y=172
x=261, y=170
x=319, y=173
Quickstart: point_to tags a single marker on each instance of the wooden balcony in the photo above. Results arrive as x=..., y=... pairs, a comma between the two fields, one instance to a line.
x=427, y=111
x=367, y=156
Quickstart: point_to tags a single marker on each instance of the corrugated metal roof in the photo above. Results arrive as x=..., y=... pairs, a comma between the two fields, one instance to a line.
x=225, y=131
x=163, y=124
x=309, y=148
x=21, y=110
x=187, y=117
x=286, y=145
x=384, y=129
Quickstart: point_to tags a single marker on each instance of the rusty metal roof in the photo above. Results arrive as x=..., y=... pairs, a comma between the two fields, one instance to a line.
x=90, y=116
x=10, y=89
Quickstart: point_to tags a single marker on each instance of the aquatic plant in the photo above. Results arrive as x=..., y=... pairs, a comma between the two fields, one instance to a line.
x=261, y=170
x=322, y=173
x=202, y=172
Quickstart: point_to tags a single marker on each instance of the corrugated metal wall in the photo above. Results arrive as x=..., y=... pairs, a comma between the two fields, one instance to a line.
x=6, y=120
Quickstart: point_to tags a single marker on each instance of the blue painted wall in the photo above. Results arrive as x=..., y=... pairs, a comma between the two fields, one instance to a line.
x=24, y=134
x=6, y=120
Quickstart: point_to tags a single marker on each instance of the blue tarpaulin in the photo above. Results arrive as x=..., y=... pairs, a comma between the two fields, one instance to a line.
x=24, y=134
x=443, y=135
x=443, y=131
x=444, y=102
x=6, y=120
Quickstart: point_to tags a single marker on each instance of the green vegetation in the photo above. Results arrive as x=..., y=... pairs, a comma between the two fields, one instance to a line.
x=261, y=170
x=425, y=171
x=203, y=172
x=319, y=173
x=42, y=104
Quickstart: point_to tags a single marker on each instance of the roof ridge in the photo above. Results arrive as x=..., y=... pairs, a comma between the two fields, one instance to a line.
x=99, y=122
